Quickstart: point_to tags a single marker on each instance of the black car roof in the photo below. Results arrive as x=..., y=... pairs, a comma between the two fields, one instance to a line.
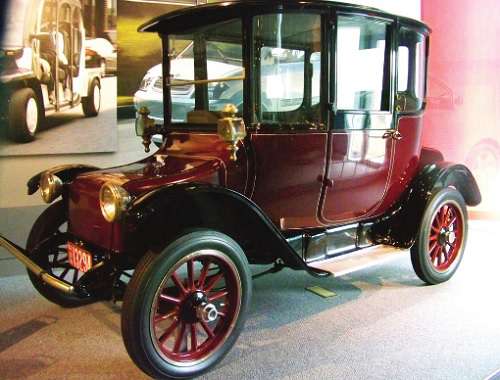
x=190, y=17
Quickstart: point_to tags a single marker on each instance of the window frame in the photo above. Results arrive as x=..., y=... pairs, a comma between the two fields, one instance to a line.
x=389, y=69
x=254, y=79
x=426, y=37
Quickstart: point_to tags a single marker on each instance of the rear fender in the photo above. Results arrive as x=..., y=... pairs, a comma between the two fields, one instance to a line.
x=160, y=216
x=400, y=225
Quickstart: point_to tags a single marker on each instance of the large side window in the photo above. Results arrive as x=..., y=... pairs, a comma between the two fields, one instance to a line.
x=288, y=61
x=362, y=64
x=412, y=59
x=206, y=72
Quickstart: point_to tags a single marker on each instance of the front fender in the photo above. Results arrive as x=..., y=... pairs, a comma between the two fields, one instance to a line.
x=65, y=172
x=164, y=213
x=400, y=225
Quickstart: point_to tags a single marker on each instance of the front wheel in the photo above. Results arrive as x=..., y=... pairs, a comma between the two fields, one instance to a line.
x=185, y=307
x=91, y=104
x=25, y=115
x=441, y=239
x=53, y=222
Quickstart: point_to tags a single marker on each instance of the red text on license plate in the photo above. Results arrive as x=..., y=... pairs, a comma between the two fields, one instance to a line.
x=79, y=258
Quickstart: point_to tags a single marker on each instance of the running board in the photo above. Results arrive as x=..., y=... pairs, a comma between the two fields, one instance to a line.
x=358, y=260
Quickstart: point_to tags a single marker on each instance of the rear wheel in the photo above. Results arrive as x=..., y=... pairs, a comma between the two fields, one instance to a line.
x=91, y=104
x=54, y=258
x=442, y=236
x=185, y=307
x=25, y=115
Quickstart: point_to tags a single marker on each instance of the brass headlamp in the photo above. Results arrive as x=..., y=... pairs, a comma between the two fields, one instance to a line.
x=50, y=187
x=113, y=200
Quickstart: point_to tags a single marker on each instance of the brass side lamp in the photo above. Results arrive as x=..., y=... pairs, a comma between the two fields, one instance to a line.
x=231, y=129
x=145, y=127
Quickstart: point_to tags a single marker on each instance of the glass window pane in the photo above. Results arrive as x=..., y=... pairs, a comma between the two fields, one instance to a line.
x=288, y=51
x=282, y=79
x=316, y=78
x=361, y=55
x=412, y=67
x=207, y=72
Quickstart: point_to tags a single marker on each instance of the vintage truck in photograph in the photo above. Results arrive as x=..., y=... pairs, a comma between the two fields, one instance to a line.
x=319, y=168
x=42, y=65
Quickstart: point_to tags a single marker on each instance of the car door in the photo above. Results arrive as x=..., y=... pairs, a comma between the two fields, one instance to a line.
x=361, y=137
x=289, y=138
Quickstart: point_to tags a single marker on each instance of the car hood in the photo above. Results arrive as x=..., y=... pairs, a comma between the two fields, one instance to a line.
x=198, y=158
x=184, y=157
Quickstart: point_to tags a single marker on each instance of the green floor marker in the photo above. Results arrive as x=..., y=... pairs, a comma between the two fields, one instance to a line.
x=322, y=292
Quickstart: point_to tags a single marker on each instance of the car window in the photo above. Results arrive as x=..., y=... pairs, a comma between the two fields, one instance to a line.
x=207, y=74
x=288, y=62
x=412, y=53
x=362, y=83
x=282, y=79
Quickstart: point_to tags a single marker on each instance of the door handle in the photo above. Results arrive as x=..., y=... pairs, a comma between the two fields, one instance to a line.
x=393, y=134
x=325, y=181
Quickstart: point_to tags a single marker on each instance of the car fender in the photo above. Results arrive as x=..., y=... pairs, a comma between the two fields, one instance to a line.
x=65, y=172
x=399, y=226
x=161, y=215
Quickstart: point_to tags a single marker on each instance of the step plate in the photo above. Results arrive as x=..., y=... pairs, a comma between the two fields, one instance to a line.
x=362, y=259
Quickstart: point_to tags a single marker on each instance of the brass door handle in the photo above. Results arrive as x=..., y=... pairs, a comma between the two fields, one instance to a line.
x=393, y=134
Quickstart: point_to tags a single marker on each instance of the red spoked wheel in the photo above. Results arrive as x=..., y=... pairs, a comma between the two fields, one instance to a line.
x=196, y=307
x=185, y=306
x=445, y=238
x=442, y=236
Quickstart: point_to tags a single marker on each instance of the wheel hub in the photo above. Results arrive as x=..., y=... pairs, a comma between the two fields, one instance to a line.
x=447, y=237
x=196, y=308
x=207, y=312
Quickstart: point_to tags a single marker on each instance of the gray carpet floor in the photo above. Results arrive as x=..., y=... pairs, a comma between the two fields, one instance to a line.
x=383, y=324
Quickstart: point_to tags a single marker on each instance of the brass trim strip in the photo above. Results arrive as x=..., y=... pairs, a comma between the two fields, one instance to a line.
x=177, y=83
x=35, y=268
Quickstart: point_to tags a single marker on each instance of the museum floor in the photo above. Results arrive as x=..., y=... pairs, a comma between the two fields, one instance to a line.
x=383, y=324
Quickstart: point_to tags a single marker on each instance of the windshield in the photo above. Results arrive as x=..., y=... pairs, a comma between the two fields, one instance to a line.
x=207, y=72
x=14, y=22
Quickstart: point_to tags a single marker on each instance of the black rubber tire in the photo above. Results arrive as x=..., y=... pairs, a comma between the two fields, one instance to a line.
x=88, y=106
x=17, y=124
x=46, y=225
x=420, y=253
x=140, y=294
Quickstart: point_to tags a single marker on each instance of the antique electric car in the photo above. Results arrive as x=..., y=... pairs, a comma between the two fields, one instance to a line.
x=42, y=65
x=322, y=172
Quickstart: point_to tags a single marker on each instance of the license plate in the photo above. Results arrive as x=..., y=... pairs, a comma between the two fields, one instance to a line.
x=79, y=258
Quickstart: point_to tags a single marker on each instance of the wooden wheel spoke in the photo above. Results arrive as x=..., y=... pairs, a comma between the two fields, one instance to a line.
x=190, y=271
x=194, y=343
x=207, y=329
x=161, y=318
x=170, y=299
x=75, y=276
x=436, y=229
x=64, y=273
x=179, y=283
x=213, y=281
x=180, y=338
x=218, y=295
x=435, y=252
x=163, y=338
x=203, y=274
x=433, y=247
x=453, y=221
